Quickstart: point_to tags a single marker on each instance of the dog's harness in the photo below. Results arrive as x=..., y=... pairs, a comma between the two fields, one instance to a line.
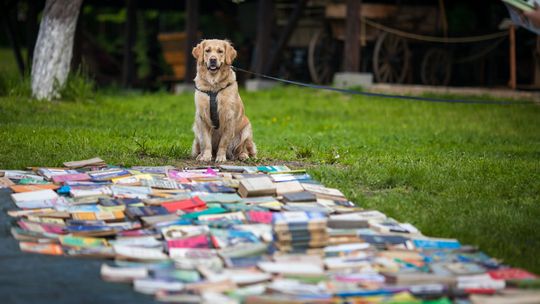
x=214, y=115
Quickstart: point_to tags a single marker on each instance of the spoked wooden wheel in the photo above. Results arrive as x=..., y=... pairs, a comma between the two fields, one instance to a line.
x=322, y=56
x=436, y=67
x=391, y=59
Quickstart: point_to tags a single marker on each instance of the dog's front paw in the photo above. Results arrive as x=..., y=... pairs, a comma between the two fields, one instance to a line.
x=221, y=158
x=243, y=157
x=204, y=157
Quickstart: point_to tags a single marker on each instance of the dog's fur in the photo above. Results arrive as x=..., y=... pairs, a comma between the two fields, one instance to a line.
x=233, y=139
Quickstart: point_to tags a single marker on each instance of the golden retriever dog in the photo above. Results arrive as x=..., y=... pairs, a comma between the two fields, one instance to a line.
x=221, y=128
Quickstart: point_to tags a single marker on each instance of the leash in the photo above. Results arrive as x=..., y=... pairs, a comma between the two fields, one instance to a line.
x=393, y=96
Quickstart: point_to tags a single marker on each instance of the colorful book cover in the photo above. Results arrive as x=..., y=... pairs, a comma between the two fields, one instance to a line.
x=70, y=177
x=436, y=244
x=188, y=205
x=195, y=215
x=511, y=274
x=42, y=227
x=232, y=216
x=224, y=238
x=182, y=231
x=198, y=241
x=51, y=249
x=134, y=212
x=29, y=188
x=87, y=242
x=263, y=217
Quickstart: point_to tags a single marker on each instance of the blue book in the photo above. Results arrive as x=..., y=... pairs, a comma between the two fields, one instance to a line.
x=436, y=244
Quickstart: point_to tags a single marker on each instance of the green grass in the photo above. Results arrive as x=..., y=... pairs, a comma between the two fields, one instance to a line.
x=453, y=170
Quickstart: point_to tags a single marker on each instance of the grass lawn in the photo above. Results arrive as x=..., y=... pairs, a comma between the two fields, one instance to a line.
x=453, y=170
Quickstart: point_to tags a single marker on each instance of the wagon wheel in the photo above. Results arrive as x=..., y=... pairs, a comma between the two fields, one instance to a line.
x=436, y=67
x=322, y=56
x=391, y=58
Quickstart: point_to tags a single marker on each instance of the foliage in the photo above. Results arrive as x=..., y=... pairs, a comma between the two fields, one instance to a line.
x=453, y=170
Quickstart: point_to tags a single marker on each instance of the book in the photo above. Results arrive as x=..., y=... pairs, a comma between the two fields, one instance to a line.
x=511, y=274
x=135, y=212
x=417, y=278
x=288, y=187
x=108, y=174
x=96, y=161
x=122, y=274
x=260, y=186
x=139, y=253
x=436, y=243
x=191, y=258
x=224, y=238
x=74, y=241
x=152, y=286
x=187, y=205
x=290, y=268
x=324, y=192
x=30, y=188
x=196, y=241
x=33, y=196
x=303, y=196
x=70, y=177
x=50, y=249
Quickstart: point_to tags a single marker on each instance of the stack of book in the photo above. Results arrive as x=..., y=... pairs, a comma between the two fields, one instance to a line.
x=245, y=234
x=300, y=232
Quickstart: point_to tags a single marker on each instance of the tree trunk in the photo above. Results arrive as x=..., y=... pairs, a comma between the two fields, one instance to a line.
x=54, y=47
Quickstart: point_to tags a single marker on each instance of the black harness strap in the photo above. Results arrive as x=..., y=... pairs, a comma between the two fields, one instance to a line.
x=214, y=115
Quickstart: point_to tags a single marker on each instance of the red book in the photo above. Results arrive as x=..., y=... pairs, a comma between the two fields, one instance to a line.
x=198, y=241
x=263, y=217
x=511, y=274
x=189, y=205
x=484, y=291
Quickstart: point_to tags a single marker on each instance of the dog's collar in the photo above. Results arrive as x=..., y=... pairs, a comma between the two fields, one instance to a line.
x=214, y=115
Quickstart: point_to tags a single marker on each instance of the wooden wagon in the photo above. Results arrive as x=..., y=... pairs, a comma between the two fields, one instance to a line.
x=389, y=54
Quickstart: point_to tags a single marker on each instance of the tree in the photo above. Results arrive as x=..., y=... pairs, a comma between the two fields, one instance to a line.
x=54, y=47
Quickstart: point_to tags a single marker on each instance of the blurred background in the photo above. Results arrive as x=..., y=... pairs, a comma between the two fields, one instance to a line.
x=146, y=45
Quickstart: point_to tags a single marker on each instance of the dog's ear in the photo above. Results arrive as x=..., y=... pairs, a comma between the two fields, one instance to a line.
x=230, y=53
x=198, y=52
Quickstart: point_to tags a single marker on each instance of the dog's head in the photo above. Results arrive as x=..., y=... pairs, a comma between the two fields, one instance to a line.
x=214, y=53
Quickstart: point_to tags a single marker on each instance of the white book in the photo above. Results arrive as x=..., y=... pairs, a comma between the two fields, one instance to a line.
x=122, y=274
x=39, y=199
x=90, y=192
x=152, y=286
x=291, y=268
x=34, y=196
x=373, y=215
x=294, y=287
x=479, y=281
x=19, y=174
x=246, y=277
x=138, y=241
x=358, y=263
x=345, y=248
x=139, y=253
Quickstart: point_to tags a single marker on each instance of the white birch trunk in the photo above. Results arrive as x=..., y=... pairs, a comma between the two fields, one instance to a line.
x=54, y=47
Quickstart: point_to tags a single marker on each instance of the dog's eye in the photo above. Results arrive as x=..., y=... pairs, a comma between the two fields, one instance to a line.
x=207, y=50
x=220, y=51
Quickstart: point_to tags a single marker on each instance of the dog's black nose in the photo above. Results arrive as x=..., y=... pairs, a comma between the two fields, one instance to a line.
x=213, y=60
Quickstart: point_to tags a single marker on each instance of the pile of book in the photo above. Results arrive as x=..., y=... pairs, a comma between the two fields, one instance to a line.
x=245, y=234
